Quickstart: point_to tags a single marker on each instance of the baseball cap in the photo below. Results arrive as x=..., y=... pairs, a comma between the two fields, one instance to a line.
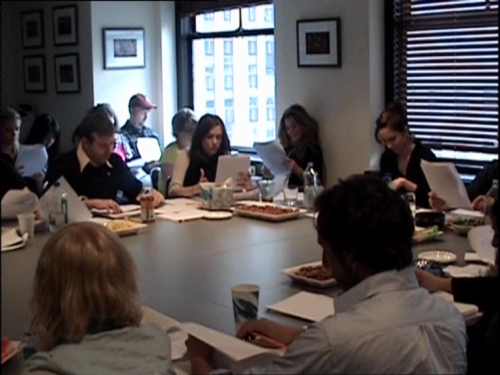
x=140, y=100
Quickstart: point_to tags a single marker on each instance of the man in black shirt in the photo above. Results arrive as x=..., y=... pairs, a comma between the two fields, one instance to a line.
x=11, y=178
x=93, y=170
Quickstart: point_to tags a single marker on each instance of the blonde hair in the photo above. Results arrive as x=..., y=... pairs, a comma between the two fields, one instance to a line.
x=84, y=275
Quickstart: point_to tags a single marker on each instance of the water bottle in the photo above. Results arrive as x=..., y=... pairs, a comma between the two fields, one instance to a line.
x=58, y=207
x=490, y=197
x=310, y=177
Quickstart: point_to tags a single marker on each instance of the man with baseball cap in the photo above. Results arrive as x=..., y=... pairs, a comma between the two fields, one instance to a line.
x=139, y=107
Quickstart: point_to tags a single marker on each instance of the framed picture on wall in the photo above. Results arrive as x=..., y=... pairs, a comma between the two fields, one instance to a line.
x=65, y=25
x=34, y=73
x=123, y=48
x=318, y=43
x=67, y=73
x=32, y=29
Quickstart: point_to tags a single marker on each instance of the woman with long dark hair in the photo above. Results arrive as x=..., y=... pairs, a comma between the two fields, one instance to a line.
x=199, y=164
x=45, y=130
x=298, y=134
x=403, y=153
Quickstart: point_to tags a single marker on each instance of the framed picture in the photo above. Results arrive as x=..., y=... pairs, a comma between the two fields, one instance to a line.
x=124, y=48
x=65, y=23
x=34, y=73
x=318, y=43
x=67, y=73
x=32, y=29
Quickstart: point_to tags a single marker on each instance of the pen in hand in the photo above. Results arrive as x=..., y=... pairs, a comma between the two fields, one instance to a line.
x=264, y=341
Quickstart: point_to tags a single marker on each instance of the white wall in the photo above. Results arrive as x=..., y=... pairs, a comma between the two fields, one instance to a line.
x=67, y=108
x=117, y=86
x=345, y=100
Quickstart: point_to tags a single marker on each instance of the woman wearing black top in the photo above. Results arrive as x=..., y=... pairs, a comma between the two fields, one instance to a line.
x=45, y=130
x=298, y=134
x=403, y=153
x=482, y=348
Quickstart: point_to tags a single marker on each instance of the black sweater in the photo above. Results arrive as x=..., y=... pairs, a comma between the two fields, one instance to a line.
x=101, y=182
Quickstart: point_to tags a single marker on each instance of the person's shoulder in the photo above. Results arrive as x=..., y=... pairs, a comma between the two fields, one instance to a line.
x=67, y=157
x=115, y=159
x=424, y=151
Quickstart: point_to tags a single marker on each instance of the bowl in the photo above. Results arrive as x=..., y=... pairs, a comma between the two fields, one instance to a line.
x=429, y=219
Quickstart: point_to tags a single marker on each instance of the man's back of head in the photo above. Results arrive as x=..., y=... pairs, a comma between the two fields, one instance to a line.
x=366, y=226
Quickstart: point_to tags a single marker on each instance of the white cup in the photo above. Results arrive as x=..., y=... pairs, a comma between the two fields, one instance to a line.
x=245, y=303
x=27, y=224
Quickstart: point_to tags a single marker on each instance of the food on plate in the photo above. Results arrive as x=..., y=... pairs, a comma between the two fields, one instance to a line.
x=468, y=222
x=119, y=225
x=421, y=234
x=266, y=209
x=315, y=272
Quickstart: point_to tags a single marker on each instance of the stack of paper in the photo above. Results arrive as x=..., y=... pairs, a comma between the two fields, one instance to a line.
x=308, y=306
x=180, y=210
x=470, y=270
x=127, y=210
x=466, y=309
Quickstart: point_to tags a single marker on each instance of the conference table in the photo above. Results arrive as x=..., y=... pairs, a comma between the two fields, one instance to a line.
x=186, y=270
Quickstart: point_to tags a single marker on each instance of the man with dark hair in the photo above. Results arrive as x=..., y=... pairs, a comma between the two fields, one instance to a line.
x=383, y=322
x=93, y=170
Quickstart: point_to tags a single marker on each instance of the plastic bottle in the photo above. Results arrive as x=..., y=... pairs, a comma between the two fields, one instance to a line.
x=58, y=207
x=310, y=178
x=147, y=201
x=490, y=197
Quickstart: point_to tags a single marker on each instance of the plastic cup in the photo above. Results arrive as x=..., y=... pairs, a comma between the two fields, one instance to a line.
x=291, y=195
x=245, y=303
x=27, y=224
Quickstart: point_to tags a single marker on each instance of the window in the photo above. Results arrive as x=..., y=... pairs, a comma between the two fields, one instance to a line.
x=209, y=47
x=228, y=82
x=252, y=76
x=227, y=15
x=445, y=69
x=252, y=47
x=270, y=111
x=208, y=16
x=210, y=83
x=228, y=47
x=209, y=106
x=254, y=110
x=269, y=15
x=233, y=50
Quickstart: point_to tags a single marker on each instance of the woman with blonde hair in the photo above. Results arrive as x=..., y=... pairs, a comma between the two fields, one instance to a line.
x=299, y=135
x=87, y=310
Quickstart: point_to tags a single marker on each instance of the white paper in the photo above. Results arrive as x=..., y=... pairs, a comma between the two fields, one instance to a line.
x=280, y=182
x=182, y=215
x=480, y=241
x=444, y=180
x=16, y=201
x=230, y=166
x=470, y=270
x=150, y=315
x=77, y=210
x=234, y=348
x=33, y=159
x=178, y=344
x=309, y=306
x=149, y=148
x=273, y=156
x=127, y=210
x=10, y=237
x=467, y=310
x=460, y=212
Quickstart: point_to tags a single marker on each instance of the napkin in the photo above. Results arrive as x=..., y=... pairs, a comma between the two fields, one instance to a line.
x=11, y=238
x=470, y=270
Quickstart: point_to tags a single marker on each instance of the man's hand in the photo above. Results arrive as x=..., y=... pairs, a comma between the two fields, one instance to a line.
x=103, y=204
x=199, y=354
x=436, y=203
x=278, y=332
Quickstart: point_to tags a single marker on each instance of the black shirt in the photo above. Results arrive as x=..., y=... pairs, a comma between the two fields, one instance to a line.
x=101, y=182
x=312, y=154
x=29, y=182
x=414, y=173
x=483, y=180
x=11, y=178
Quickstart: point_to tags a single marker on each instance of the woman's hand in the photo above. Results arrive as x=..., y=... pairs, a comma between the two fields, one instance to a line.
x=103, y=204
x=403, y=183
x=431, y=282
x=159, y=199
x=278, y=332
x=294, y=167
x=479, y=203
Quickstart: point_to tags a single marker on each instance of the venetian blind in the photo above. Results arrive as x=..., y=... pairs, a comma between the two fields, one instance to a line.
x=190, y=8
x=446, y=72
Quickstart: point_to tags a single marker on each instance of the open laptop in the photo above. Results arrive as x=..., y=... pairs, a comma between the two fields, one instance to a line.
x=231, y=166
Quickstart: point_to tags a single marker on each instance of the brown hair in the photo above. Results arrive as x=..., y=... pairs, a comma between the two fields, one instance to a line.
x=309, y=127
x=84, y=274
x=392, y=117
x=183, y=121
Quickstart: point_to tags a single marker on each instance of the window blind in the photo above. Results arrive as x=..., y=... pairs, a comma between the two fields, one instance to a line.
x=445, y=69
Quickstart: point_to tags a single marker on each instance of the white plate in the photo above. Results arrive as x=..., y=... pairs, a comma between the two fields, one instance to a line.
x=217, y=215
x=440, y=256
x=292, y=273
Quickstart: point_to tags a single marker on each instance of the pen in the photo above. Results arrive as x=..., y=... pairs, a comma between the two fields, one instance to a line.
x=265, y=341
